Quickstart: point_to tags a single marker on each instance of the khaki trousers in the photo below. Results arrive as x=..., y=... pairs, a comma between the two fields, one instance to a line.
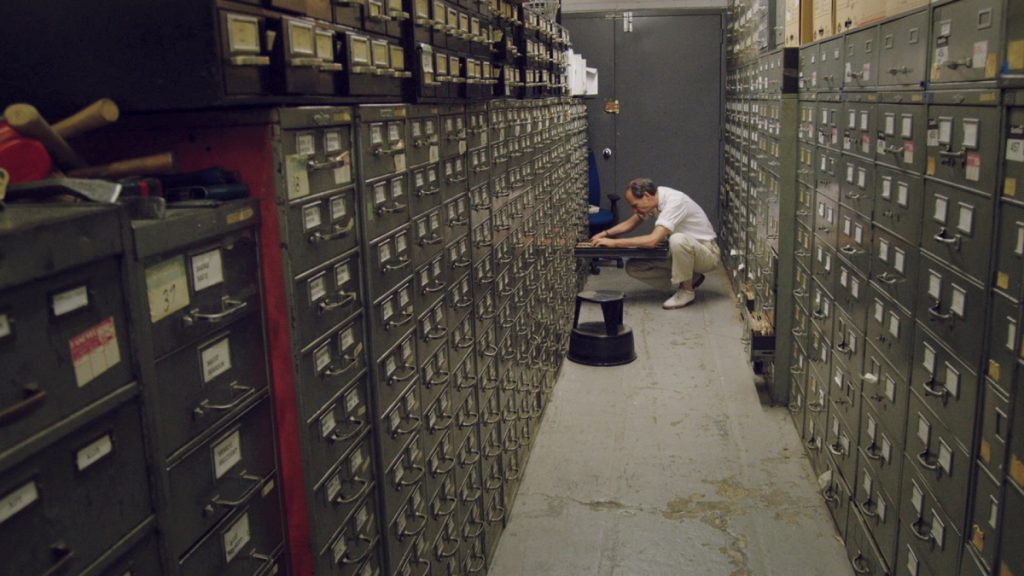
x=689, y=256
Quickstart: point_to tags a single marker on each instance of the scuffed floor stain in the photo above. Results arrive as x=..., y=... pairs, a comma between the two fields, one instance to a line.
x=736, y=552
x=604, y=505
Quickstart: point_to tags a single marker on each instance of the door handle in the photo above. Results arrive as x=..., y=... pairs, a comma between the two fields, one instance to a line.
x=606, y=153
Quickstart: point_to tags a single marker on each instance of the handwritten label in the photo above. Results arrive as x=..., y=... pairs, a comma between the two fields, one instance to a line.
x=226, y=454
x=236, y=537
x=305, y=145
x=94, y=351
x=207, y=270
x=216, y=359
x=166, y=288
x=296, y=176
x=17, y=500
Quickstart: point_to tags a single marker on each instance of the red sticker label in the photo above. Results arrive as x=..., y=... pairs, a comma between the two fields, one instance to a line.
x=94, y=351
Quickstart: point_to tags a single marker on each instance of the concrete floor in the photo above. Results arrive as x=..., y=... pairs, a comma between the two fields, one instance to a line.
x=669, y=465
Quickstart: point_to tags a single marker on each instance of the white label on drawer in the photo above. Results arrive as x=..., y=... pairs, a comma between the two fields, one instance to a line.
x=338, y=208
x=908, y=152
x=907, y=127
x=890, y=389
x=352, y=401
x=924, y=430
x=958, y=301
x=1014, y=150
x=935, y=286
x=883, y=250
x=399, y=162
x=321, y=358
x=216, y=359
x=945, y=457
x=973, y=169
x=886, y=187
x=953, y=381
x=305, y=145
x=1011, y=333
x=938, y=530
x=404, y=298
x=890, y=124
x=435, y=153
x=903, y=194
x=872, y=428
x=94, y=351
x=886, y=449
x=993, y=515
x=858, y=234
x=928, y=359
x=226, y=454
x=342, y=274
x=17, y=500
x=380, y=194
x=339, y=548
x=94, y=452
x=348, y=338
x=236, y=537
x=5, y=323
x=390, y=365
x=894, y=325
x=343, y=174
x=166, y=288
x=207, y=270
x=70, y=300
x=356, y=459
x=980, y=54
x=855, y=287
x=333, y=488
x=945, y=131
x=296, y=175
x=332, y=141
x=401, y=243
x=384, y=252
x=912, y=562
x=311, y=217
x=317, y=288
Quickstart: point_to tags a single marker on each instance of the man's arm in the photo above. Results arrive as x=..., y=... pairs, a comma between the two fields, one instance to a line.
x=620, y=228
x=658, y=235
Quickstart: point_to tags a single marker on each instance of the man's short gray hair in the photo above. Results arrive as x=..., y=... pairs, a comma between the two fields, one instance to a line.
x=640, y=187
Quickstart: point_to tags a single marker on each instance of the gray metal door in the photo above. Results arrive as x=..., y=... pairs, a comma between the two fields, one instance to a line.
x=665, y=72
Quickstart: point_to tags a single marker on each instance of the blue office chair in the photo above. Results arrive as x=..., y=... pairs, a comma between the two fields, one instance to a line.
x=603, y=219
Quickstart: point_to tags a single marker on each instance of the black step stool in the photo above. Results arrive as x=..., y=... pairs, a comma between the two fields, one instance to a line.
x=608, y=343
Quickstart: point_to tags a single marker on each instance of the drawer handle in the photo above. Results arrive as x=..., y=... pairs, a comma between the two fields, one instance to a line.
x=895, y=149
x=887, y=279
x=836, y=449
x=462, y=385
x=489, y=384
x=933, y=388
x=336, y=233
x=869, y=508
x=476, y=534
x=34, y=398
x=500, y=517
x=66, y=556
x=915, y=528
x=442, y=472
x=963, y=62
x=487, y=315
x=873, y=452
x=370, y=544
x=513, y=477
x=844, y=348
x=461, y=263
x=486, y=280
x=345, y=298
x=812, y=444
x=443, y=424
x=461, y=221
x=435, y=288
x=900, y=70
x=794, y=407
x=477, y=493
x=492, y=452
x=796, y=370
x=934, y=311
x=435, y=334
x=463, y=344
x=799, y=293
x=440, y=550
x=858, y=564
x=255, y=482
x=474, y=419
x=228, y=307
x=941, y=237
x=266, y=560
x=336, y=436
x=334, y=370
x=507, y=291
x=829, y=495
x=444, y=379
x=850, y=250
x=406, y=318
x=819, y=315
x=428, y=191
x=385, y=211
x=509, y=416
x=432, y=241
x=816, y=407
x=463, y=303
x=409, y=375
x=442, y=512
x=334, y=162
x=406, y=431
x=922, y=459
x=399, y=484
x=801, y=253
x=205, y=406
x=363, y=484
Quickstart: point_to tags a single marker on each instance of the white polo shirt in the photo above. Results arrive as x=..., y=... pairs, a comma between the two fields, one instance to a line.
x=677, y=212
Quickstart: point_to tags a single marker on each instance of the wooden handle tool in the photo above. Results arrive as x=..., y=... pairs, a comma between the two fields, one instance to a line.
x=96, y=115
x=26, y=120
x=156, y=164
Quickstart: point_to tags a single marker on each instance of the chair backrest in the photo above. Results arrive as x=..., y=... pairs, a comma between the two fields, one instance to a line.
x=594, y=193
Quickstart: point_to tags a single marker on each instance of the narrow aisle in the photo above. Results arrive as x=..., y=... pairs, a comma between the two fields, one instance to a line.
x=669, y=465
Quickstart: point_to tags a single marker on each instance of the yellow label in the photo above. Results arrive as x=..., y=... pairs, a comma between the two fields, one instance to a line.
x=917, y=98
x=931, y=165
x=985, y=451
x=991, y=65
x=240, y=215
x=989, y=96
x=166, y=288
x=936, y=73
x=994, y=370
x=243, y=33
x=1015, y=55
x=1010, y=186
x=1016, y=470
x=978, y=538
x=1002, y=280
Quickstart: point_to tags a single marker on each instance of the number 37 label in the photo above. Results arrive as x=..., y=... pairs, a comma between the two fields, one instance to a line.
x=167, y=288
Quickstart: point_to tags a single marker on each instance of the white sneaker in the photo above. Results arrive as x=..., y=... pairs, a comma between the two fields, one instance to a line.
x=681, y=298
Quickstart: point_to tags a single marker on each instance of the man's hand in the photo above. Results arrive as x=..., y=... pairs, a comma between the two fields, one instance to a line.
x=600, y=235
x=603, y=242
